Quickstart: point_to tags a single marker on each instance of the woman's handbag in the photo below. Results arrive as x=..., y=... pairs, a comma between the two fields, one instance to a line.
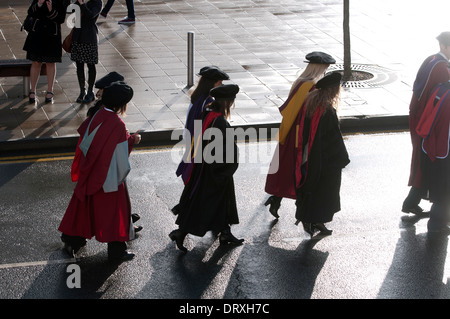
x=67, y=43
x=27, y=24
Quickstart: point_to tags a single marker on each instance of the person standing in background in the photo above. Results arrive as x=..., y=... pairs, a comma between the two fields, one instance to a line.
x=85, y=48
x=129, y=19
x=43, y=43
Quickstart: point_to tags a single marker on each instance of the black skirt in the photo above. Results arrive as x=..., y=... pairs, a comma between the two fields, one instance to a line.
x=84, y=52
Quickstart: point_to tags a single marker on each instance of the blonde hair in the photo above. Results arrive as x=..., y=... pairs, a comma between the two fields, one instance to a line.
x=313, y=72
x=323, y=99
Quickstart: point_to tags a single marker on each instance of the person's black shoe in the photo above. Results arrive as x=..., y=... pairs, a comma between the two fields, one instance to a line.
x=226, y=237
x=32, y=97
x=80, y=97
x=135, y=217
x=308, y=227
x=175, y=210
x=417, y=210
x=178, y=236
x=49, y=97
x=89, y=98
x=322, y=229
x=138, y=228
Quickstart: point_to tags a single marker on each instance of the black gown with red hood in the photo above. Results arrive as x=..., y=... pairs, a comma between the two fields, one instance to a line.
x=319, y=182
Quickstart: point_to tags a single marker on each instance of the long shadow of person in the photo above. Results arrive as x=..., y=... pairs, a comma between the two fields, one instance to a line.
x=270, y=269
x=418, y=266
x=177, y=275
x=52, y=281
x=253, y=270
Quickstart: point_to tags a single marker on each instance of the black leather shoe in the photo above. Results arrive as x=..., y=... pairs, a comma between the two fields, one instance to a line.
x=417, y=210
x=49, y=99
x=135, y=217
x=138, y=228
x=32, y=100
x=80, y=97
x=178, y=236
x=226, y=237
x=308, y=227
x=89, y=98
x=322, y=229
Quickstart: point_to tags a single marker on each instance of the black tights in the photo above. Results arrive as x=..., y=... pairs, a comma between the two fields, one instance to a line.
x=92, y=73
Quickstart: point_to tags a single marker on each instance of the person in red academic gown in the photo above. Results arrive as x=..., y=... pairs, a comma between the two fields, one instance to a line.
x=434, y=70
x=322, y=155
x=208, y=200
x=434, y=130
x=100, y=205
x=280, y=180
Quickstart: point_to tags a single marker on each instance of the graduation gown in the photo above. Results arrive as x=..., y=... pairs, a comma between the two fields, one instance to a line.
x=208, y=201
x=322, y=157
x=194, y=112
x=434, y=70
x=434, y=129
x=100, y=204
x=280, y=180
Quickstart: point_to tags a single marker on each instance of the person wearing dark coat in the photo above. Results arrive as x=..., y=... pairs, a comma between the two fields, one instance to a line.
x=323, y=155
x=208, y=201
x=280, y=180
x=85, y=48
x=210, y=77
x=43, y=43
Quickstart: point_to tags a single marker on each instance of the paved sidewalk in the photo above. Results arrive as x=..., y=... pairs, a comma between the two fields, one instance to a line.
x=260, y=44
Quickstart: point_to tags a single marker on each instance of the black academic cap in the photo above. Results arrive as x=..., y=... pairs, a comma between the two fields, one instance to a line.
x=444, y=38
x=330, y=80
x=214, y=73
x=108, y=79
x=117, y=94
x=226, y=91
x=320, y=58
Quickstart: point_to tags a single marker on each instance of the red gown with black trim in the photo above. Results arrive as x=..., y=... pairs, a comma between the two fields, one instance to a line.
x=280, y=180
x=92, y=211
x=434, y=70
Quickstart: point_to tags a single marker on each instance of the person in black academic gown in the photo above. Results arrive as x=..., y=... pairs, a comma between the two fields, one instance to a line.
x=323, y=156
x=208, y=201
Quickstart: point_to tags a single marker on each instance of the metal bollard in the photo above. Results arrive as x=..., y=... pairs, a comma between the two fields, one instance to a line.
x=190, y=59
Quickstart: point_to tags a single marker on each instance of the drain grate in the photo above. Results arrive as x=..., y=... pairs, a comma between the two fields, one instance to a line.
x=380, y=75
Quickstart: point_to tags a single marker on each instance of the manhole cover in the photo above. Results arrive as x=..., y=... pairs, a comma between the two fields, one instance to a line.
x=372, y=76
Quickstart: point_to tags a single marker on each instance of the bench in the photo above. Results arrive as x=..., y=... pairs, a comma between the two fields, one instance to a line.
x=19, y=67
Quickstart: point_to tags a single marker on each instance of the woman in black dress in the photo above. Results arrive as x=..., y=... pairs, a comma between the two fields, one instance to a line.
x=43, y=42
x=85, y=48
x=208, y=201
x=323, y=156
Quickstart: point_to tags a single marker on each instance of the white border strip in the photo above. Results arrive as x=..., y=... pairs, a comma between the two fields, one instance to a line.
x=38, y=263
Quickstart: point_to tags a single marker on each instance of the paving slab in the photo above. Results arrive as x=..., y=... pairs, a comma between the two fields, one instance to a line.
x=260, y=44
